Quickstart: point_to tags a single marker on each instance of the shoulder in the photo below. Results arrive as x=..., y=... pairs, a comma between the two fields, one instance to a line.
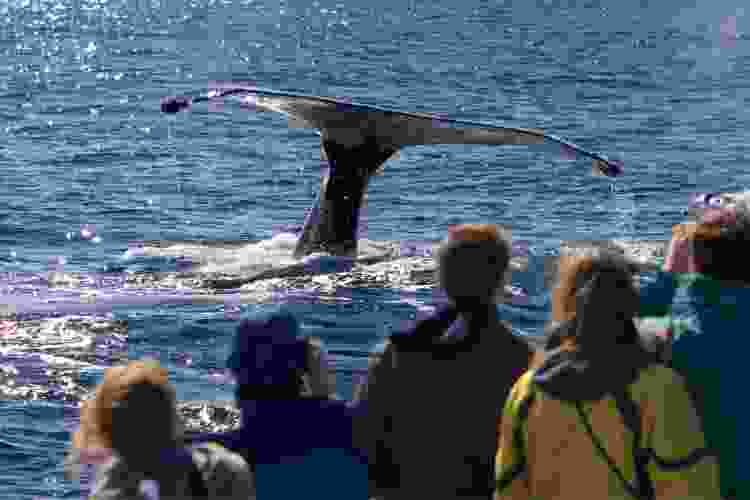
x=222, y=468
x=657, y=374
x=225, y=473
x=426, y=329
x=657, y=382
x=522, y=390
x=655, y=335
x=216, y=454
x=524, y=383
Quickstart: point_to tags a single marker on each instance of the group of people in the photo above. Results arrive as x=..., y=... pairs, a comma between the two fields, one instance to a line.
x=632, y=393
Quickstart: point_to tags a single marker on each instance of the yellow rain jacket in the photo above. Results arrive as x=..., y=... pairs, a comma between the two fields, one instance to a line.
x=563, y=449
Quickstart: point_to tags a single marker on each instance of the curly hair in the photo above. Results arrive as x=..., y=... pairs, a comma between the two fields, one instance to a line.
x=96, y=427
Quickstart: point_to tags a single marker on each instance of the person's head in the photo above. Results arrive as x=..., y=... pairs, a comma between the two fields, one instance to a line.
x=595, y=288
x=716, y=244
x=133, y=413
x=594, y=346
x=473, y=263
x=271, y=360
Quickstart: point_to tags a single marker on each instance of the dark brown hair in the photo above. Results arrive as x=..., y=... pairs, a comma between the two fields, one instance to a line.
x=474, y=260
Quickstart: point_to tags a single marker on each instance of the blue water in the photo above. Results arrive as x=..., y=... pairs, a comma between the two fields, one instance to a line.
x=661, y=85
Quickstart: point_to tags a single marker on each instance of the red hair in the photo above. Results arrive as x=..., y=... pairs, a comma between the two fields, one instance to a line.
x=95, y=430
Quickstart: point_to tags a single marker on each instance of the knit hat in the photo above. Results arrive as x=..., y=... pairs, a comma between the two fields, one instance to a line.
x=268, y=350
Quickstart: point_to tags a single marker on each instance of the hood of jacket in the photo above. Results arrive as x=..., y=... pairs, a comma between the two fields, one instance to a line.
x=590, y=374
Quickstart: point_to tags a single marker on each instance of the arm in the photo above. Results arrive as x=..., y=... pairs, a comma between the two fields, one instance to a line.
x=681, y=465
x=372, y=426
x=656, y=295
x=655, y=325
x=511, y=469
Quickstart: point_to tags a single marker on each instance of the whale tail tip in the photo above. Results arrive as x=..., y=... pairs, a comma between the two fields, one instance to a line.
x=175, y=104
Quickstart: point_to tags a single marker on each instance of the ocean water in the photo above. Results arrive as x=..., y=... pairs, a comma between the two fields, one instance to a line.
x=660, y=85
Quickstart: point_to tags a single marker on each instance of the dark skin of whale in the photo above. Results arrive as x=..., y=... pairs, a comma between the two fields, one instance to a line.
x=357, y=141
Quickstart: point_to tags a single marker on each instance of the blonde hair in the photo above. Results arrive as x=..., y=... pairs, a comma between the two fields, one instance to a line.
x=95, y=430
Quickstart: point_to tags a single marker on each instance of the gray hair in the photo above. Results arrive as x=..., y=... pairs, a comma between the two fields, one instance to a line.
x=724, y=257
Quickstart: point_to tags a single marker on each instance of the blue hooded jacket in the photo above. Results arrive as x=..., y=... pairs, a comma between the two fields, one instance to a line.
x=709, y=322
x=298, y=447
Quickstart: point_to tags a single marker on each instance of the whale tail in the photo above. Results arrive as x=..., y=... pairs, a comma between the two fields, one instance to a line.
x=331, y=226
x=357, y=141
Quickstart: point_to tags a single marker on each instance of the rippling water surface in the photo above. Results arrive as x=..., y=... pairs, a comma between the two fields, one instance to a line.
x=90, y=168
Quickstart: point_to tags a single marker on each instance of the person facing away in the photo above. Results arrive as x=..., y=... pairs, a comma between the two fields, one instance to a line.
x=295, y=432
x=435, y=392
x=704, y=285
x=132, y=427
x=597, y=415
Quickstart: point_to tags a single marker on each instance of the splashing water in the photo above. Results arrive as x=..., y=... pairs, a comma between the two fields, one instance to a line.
x=625, y=210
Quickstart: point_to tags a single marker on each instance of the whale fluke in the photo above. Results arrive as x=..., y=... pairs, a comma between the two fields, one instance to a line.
x=358, y=139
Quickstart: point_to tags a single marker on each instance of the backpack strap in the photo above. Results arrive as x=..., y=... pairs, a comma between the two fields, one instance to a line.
x=632, y=491
x=631, y=414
